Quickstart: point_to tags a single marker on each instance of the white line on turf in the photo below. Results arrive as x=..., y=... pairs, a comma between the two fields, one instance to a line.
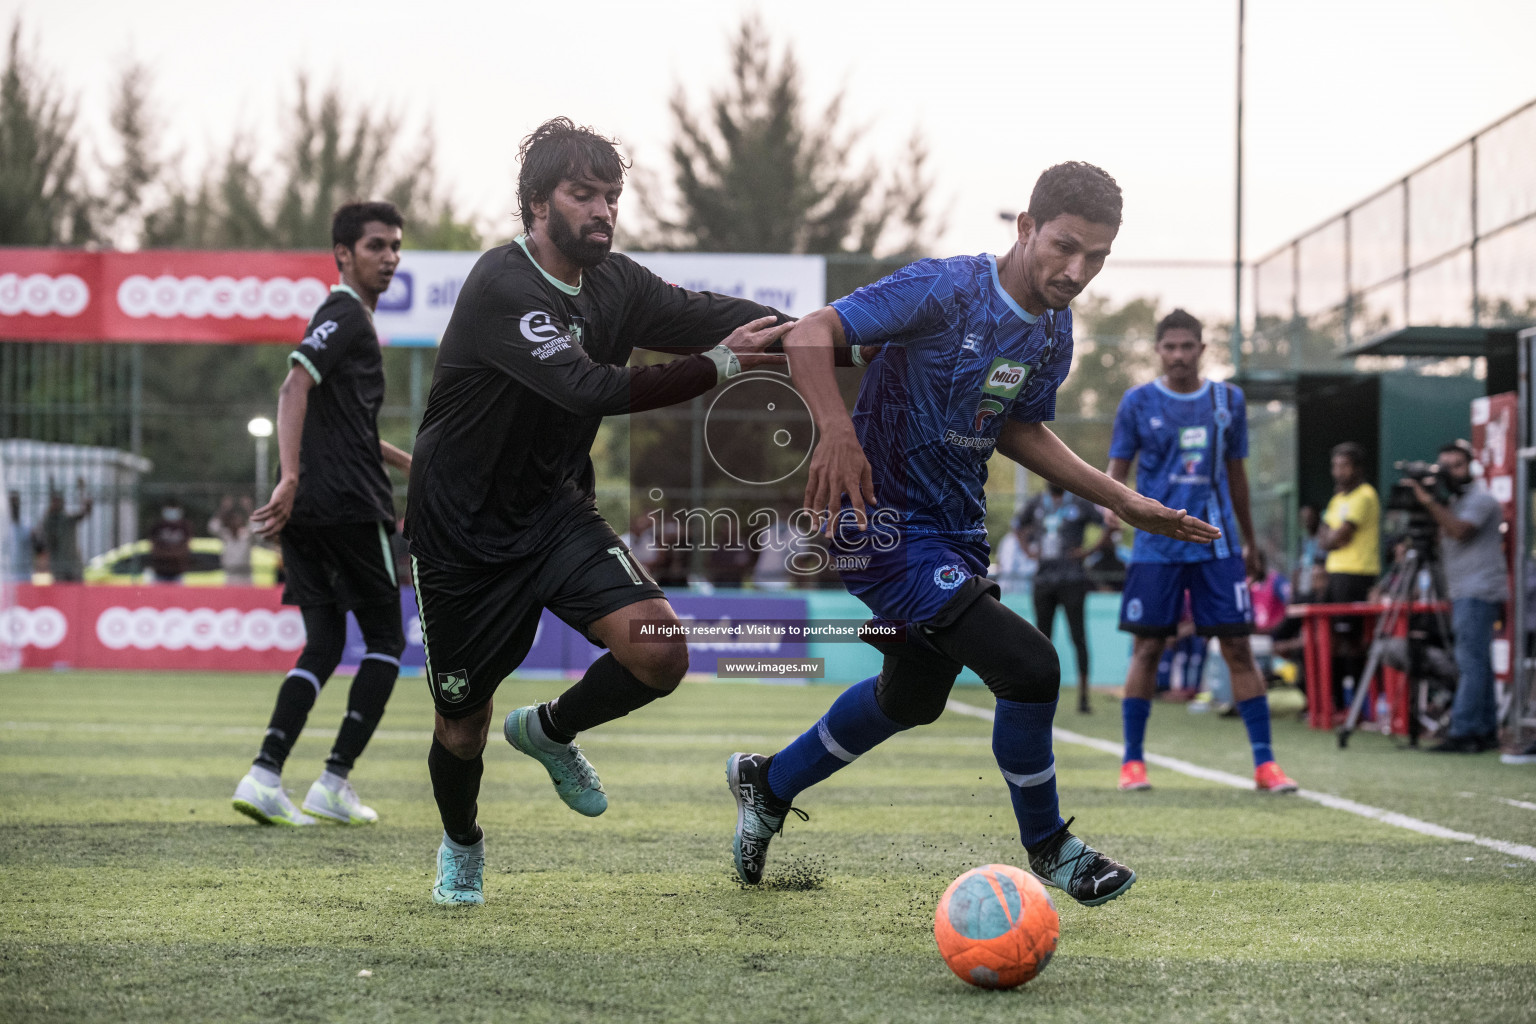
x=1524, y=805
x=1338, y=803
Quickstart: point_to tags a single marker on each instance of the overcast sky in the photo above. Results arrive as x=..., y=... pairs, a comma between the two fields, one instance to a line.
x=1342, y=96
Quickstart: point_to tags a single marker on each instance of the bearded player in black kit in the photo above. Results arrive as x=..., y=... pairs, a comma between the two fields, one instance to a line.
x=502, y=516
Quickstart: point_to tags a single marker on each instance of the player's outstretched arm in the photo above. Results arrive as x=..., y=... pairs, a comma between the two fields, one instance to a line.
x=838, y=465
x=1037, y=448
x=292, y=404
x=396, y=457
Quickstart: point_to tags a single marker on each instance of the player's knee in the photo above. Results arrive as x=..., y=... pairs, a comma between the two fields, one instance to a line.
x=382, y=630
x=465, y=737
x=912, y=705
x=660, y=666
x=1146, y=651
x=1028, y=672
x=1236, y=650
x=322, y=654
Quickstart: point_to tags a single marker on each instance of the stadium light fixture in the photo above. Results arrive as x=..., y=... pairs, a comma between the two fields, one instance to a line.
x=261, y=429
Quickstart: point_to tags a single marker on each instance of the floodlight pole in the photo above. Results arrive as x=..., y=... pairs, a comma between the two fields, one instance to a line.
x=1237, y=248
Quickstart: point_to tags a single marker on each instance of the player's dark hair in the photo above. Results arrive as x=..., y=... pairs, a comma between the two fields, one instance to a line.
x=348, y=221
x=1178, y=320
x=1351, y=451
x=1076, y=188
x=560, y=149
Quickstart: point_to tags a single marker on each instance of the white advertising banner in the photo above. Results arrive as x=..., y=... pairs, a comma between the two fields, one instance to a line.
x=796, y=285
x=416, y=308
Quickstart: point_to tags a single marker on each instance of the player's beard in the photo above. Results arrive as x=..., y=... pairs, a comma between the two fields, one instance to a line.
x=577, y=248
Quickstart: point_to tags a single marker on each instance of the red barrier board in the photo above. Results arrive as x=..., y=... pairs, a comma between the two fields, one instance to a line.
x=160, y=295
x=222, y=629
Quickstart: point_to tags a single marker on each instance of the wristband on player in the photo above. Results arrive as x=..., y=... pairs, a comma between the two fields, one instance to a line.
x=858, y=355
x=727, y=365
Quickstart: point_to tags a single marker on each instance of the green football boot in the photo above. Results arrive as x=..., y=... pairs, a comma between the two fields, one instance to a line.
x=573, y=775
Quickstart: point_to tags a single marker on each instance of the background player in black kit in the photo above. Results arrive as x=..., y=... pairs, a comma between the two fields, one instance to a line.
x=502, y=517
x=333, y=509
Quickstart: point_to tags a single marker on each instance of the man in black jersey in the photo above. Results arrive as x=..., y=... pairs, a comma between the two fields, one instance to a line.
x=333, y=509
x=502, y=518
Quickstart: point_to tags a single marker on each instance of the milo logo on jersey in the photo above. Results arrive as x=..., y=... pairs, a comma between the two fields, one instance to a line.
x=1004, y=379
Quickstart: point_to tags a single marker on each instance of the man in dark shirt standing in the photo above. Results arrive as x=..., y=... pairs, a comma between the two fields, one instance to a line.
x=1054, y=526
x=502, y=517
x=170, y=543
x=333, y=509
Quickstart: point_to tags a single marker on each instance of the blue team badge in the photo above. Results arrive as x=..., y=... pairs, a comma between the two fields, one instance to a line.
x=1133, y=610
x=1192, y=462
x=948, y=577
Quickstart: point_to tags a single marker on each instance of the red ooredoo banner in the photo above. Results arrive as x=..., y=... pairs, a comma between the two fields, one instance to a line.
x=161, y=295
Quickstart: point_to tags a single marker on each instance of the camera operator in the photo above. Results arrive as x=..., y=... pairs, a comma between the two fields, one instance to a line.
x=1472, y=554
x=1350, y=534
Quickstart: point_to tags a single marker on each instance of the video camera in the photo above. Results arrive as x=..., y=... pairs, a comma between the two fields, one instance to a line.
x=1419, y=526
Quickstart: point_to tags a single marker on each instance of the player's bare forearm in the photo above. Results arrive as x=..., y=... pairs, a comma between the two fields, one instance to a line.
x=292, y=406
x=396, y=457
x=811, y=345
x=1037, y=448
x=838, y=466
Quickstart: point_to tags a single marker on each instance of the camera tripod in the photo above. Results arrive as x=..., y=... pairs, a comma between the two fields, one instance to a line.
x=1399, y=603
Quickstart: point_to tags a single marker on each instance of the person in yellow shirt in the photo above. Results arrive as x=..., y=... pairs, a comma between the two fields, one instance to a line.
x=1351, y=535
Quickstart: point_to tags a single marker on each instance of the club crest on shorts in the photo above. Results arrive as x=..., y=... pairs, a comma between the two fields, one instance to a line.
x=453, y=686
x=948, y=577
x=1133, y=610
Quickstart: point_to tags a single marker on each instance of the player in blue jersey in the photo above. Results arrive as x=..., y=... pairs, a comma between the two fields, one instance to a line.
x=1192, y=436
x=967, y=354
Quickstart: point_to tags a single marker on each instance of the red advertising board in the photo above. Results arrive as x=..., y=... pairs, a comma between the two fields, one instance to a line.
x=160, y=295
x=165, y=627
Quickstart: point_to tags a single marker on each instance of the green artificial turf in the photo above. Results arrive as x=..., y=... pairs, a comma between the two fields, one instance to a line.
x=134, y=892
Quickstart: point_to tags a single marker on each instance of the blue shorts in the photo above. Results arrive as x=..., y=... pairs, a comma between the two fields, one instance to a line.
x=1153, y=600
x=921, y=580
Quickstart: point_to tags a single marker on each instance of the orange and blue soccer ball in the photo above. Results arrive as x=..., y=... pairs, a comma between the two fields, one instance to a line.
x=996, y=927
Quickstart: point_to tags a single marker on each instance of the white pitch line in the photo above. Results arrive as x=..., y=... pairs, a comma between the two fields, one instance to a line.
x=1338, y=803
x=1524, y=805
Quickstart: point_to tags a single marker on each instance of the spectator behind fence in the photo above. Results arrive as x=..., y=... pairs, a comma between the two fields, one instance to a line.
x=1351, y=535
x=22, y=544
x=170, y=544
x=61, y=536
x=1015, y=566
x=1472, y=554
x=1056, y=524
x=232, y=525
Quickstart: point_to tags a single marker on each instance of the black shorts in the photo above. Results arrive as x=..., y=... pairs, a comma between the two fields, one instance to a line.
x=345, y=564
x=478, y=624
x=1344, y=588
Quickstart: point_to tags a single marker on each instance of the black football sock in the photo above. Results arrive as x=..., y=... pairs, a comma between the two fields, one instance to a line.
x=547, y=723
x=371, y=687
x=456, y=786
x=294, y=699
x=607, y=691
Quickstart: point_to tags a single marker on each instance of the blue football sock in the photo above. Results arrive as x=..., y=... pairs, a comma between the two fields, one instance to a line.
x=1134, y=712
x=1255, y=712
x=1021, y=742
x=852, y=726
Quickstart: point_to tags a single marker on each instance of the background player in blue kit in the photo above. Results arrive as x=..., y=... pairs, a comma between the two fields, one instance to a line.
x=970, y=353
x=1192, y=436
